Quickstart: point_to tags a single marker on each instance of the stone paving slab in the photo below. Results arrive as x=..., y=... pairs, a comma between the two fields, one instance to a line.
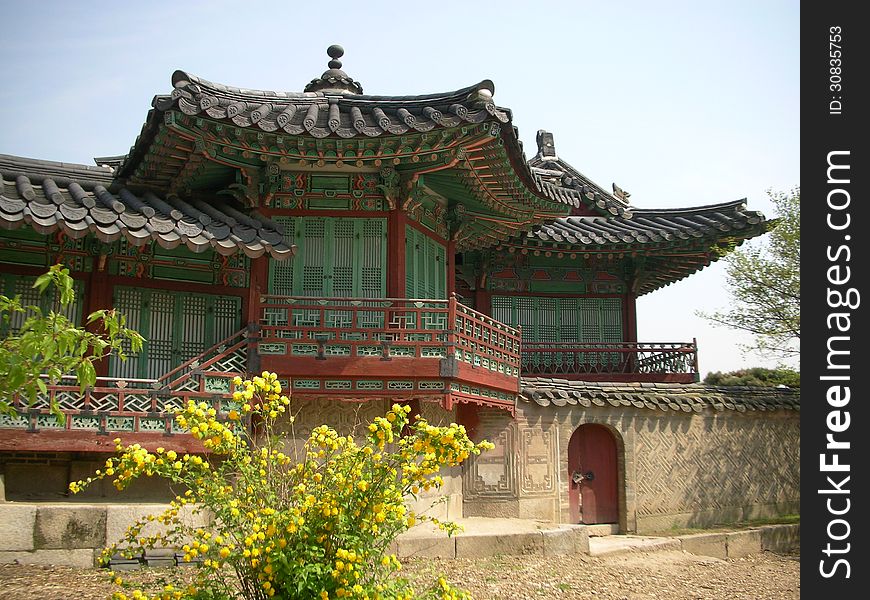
x=481, y=537
x=620, y=544
x=69, y=558
x=705, y=544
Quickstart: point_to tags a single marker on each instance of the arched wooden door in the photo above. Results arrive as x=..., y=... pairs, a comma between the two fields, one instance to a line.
x=592, y=476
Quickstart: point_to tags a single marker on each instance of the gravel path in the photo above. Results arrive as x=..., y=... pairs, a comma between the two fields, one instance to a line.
x=633, y=576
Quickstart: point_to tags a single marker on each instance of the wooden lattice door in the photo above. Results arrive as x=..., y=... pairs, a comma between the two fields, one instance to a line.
x=335, y=257
x=177, y=326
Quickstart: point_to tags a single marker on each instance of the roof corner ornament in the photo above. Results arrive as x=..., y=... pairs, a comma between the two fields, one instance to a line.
x=389, y=186
x=334, y=80
x=457, y=219
x=546, y=145
x=621, y=193
x=246, y=189
x=397, y=187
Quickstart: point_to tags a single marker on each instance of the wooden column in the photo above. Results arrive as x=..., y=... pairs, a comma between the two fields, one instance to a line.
x=396, y=223
x=483, y=301
x=98, y=296
x=258, y=285
x=629, y=311
x=451, y=267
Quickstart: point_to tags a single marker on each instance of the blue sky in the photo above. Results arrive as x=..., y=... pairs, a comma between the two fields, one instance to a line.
x=680, y=103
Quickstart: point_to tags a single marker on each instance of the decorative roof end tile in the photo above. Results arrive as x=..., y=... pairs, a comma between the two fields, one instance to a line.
x=334, y=80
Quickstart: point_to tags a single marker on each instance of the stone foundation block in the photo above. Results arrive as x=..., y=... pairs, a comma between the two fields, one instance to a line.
x=743, y=543
x=429, y=547
x=120, y=516
x=705, y=544
x=470, y=546
x=160, y=557
x=16, y=527
x=62, y=527
x=81, y=558
x=564, y=541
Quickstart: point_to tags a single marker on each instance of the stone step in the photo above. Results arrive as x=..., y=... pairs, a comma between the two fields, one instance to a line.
x=602, y=529
x=620, y=544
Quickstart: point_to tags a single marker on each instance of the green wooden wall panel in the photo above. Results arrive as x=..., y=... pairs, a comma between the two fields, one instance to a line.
x=281, y=271
x=425, y=266
x=373, y=266
x=312, y=257
x=551, y=319
x=335, y=257
x=177, y=326
x=22, y=285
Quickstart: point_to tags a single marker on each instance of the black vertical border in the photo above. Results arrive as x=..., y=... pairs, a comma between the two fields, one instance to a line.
x=823, y=132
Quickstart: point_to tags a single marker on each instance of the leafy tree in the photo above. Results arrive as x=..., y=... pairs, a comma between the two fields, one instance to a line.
x=48, y=346
x=764, y=282
x=757, y=376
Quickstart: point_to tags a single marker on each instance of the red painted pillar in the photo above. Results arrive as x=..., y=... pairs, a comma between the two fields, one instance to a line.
x=483, y=301
x=451, y=267
x=98, y=296
x=396, y=253
x=630, y=314
x=629, y=328
x=259, y=285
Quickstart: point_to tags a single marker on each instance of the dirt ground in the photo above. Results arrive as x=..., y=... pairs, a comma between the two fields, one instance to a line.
x=633, y=576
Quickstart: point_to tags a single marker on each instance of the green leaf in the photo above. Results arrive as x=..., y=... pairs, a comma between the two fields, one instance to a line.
x=86, y=374
x=42, y=282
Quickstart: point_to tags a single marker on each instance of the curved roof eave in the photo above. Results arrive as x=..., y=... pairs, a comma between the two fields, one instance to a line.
x=80, y=199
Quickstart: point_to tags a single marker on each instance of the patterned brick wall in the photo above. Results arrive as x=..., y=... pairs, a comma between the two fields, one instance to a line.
x=675, y=468
x=493, y=475
x=720, y=463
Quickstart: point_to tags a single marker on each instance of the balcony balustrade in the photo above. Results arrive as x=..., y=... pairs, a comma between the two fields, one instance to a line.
x=138, y=410
x=345, y=348
x=612, y=361
x=348, y=345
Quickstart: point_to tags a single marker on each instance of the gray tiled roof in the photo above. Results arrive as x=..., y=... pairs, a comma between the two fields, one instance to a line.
x=693, y=397
x=80, y=199
x=321, y=114
x=652, y=226
x=563, y=183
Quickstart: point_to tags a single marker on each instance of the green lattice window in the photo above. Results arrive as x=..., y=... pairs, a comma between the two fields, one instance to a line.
x=22, y=285
x=176, y=326
x=335, y=257
x=546, y=319
x=425, y=266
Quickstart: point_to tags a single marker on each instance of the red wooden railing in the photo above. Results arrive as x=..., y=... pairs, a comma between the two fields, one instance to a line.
x=112, y=405
x=227, y=357
x=388, y=327
x=351, y=327
x=117, y=405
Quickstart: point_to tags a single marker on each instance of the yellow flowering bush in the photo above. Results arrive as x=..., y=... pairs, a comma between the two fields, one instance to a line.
x=313, y=525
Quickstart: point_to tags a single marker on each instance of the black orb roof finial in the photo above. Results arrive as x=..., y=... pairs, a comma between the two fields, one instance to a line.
x=334, y=80
x=335, y=52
